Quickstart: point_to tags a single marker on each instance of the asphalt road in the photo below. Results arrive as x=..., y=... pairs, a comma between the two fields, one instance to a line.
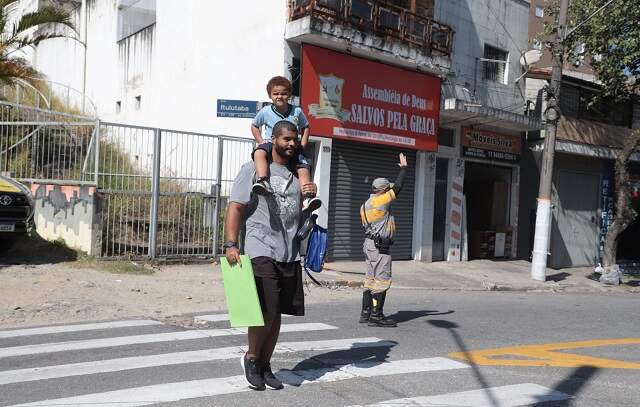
x=587, y=353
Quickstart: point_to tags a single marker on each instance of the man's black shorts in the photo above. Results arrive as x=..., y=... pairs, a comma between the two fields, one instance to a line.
x=279, y=286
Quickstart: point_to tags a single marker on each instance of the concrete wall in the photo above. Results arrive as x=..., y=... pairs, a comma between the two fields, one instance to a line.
x=69, y=212
x=500, y=23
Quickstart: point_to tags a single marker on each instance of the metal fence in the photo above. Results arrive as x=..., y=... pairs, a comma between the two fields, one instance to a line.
x=165, y=191
x=38, y=145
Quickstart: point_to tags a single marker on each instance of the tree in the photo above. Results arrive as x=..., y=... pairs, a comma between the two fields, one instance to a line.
x=611, y=42
x=27, y=30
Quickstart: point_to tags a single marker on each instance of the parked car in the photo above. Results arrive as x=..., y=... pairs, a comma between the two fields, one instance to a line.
x=16, y=209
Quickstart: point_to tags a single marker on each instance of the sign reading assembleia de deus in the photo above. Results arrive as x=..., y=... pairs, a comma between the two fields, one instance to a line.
x=238, y=108
x=370, y=102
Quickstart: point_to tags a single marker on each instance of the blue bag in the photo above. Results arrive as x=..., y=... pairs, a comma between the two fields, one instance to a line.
x=316, y=251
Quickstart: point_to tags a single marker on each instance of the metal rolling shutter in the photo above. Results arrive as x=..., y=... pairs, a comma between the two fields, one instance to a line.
x=353, y=167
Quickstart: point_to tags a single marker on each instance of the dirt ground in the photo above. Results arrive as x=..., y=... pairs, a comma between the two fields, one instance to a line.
x=61, y=293
x=44, y=283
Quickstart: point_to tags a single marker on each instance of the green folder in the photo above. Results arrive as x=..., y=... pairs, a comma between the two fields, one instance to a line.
x=243, y=303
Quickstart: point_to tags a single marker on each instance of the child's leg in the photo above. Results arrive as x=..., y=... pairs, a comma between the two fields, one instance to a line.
x=261, y=163
x=304, y=177
x=260, y=158
x=303, y=169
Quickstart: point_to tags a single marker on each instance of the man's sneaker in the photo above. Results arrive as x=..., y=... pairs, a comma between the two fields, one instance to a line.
x=311, y=204
x=270, y=379
x=262, y=186
x=252, y=372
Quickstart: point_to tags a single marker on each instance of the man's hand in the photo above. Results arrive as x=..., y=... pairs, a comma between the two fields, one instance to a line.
x=309, y=188
x=403, y=161
x=233, y=255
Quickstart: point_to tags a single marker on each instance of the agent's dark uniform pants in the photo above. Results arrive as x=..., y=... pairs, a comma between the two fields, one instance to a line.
x=378, y=268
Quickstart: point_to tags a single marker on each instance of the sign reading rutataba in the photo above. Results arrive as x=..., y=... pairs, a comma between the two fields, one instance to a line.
x=490, y=146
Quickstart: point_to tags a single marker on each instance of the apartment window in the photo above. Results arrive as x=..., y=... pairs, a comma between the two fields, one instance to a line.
x=138, y=102
x=540, y=11
x=134, y=16
x=536, y=44
x=362, y=10
x=118, y=106
x=446, y=137
x=495, y=64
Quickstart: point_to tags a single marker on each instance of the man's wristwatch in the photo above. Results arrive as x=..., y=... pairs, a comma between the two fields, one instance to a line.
x=229, y=244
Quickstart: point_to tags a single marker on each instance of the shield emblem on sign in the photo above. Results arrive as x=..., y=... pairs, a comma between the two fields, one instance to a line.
x=331, y=92
x=330, y=100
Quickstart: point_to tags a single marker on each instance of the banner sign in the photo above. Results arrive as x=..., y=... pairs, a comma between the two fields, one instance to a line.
x=490, y=146
x=356, y=99
x=246, y=109
x=606, y=203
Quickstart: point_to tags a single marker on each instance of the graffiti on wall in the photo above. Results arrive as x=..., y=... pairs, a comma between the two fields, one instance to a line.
x=68, y=212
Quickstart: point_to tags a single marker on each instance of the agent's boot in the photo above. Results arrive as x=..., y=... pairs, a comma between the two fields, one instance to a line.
x=377, y=317
x=366, y=306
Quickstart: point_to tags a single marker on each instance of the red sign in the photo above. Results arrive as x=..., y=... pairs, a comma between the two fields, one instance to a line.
x=352, y=98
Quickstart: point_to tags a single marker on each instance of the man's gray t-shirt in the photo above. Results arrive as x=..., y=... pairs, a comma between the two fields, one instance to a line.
x=271, y=221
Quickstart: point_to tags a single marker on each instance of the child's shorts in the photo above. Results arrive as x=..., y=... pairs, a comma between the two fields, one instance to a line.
x=300, y=162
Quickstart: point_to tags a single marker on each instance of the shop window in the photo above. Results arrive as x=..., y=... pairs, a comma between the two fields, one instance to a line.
x=446, y=137
x=494, y=64
x=540, y=11
x=134, y=16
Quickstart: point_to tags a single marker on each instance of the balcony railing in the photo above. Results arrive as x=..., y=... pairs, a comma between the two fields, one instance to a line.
x=380, y=18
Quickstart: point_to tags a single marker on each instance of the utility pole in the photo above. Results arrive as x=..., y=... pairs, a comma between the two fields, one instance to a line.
x=552, y=116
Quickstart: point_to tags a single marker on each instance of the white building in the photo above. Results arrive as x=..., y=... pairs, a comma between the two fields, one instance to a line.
x=171, y=64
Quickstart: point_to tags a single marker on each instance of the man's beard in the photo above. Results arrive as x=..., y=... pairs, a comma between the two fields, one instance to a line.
x=282, y=152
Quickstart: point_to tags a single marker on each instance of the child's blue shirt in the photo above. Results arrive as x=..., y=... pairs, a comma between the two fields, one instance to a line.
x=269, y=116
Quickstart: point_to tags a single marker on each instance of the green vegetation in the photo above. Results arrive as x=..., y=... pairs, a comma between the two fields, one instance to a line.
x=610, y=39
x=27, y=30
x=119, y=266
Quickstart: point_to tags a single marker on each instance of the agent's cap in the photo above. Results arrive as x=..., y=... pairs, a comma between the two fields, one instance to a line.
x=381, y=184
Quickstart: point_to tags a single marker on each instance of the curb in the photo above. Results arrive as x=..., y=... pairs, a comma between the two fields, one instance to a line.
x=335, y=284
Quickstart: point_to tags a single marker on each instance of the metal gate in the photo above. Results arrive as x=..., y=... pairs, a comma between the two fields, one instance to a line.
x=165, y=191
x=39, y=145
x=353, y=167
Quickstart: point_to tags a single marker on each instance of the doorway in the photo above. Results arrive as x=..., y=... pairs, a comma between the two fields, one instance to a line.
x=487, y=189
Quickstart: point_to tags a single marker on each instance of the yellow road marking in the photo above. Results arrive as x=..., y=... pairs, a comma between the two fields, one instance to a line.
x=547, y=355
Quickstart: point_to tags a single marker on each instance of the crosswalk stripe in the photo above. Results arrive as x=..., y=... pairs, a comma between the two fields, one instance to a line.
x=77, y=328
x=139, y=362
x=172, y=392
x=504, y=396
x=220, y=317
x=148, y=338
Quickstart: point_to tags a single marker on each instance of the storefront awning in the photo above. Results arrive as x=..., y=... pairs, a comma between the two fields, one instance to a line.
x=467, y=113
x=588, y=138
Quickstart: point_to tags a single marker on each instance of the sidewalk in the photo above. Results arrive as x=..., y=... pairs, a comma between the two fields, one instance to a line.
x=476, y=275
